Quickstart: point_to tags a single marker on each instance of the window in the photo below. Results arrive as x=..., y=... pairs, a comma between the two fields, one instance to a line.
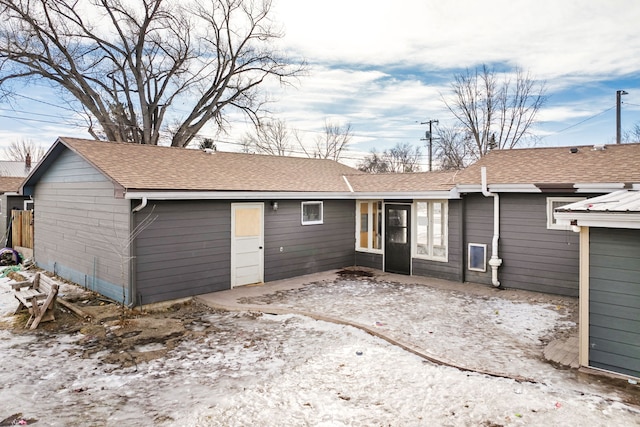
x=477, y=257
x=556, y=202
x=431, y=230
x=369, y=226
x=312, y=213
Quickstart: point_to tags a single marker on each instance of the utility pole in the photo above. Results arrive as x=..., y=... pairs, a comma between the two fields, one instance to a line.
x=429, y=137
x=619, y=94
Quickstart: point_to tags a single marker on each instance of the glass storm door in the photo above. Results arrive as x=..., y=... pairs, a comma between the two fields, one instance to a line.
x=397, y=241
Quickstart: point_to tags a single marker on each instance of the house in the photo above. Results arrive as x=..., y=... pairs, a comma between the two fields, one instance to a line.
x=609, y=229
x=523, y=186
x=142, y=224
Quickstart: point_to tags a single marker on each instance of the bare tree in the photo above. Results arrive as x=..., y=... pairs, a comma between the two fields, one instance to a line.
x=453, y=148
x=270, y=137
x=374, y=163
x=632, y=135
x=403, y=158
x=127, y=65
x=399, y=159
x=331, y=143
x=495, y=113
x=18, y=150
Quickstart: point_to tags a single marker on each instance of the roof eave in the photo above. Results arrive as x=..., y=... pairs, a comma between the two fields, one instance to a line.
x=286, y=195
x=599, y=219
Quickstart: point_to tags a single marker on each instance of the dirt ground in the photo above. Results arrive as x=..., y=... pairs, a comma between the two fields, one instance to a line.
x=119, y=335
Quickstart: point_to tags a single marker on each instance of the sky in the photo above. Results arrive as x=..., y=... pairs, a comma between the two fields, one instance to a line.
x=386, y=67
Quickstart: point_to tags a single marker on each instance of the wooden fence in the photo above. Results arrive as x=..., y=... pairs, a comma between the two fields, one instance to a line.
x=22, y=229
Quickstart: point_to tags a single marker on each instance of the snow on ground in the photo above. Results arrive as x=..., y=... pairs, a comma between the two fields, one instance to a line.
x=290, y=370
x=477, y=332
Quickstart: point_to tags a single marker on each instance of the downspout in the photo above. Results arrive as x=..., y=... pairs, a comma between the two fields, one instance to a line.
x=494, y=262
x=142, y=205
x=132, y=273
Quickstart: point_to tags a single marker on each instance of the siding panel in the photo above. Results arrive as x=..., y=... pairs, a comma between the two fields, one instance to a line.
x=614, y=300
x=534, y=257
x=308, y=248
x=185, y=251
x=83, y=239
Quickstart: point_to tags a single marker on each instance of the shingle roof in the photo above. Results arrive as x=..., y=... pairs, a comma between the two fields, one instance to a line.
x=618, y=163
x=144, y=167
x=10, y=184
x=403, y=182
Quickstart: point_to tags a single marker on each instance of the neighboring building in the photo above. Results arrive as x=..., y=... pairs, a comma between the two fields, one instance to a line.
x=609, y=228
x=12, y=174
x=293, y=216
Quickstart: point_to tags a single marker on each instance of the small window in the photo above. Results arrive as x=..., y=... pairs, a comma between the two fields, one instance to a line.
x=312, y=213
x=477, y=257
x=556, y=202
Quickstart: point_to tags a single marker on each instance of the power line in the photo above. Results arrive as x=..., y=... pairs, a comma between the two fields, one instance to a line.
x=585, y=120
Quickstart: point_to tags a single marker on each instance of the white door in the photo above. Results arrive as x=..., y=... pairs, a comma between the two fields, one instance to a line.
x=247, y=242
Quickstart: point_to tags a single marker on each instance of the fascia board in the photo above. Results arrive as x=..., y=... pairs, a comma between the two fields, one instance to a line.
x=595, y=187
x=498, y=188
x=600, y=219
x=270, y=195
x=233, y=195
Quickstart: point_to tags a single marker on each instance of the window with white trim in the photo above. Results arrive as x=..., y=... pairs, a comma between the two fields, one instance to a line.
x=556, y=202
x=431, y=219
x=312, y=213
x=369, y=225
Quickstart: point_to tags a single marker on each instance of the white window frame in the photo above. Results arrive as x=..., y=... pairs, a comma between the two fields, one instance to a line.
x=370, y=204
x=445, y=231
x=551, y=221
x=312, y=222
x=484, y=253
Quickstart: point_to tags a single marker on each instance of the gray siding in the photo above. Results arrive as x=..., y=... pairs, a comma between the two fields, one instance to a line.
x=308, y=248
x=478, y=228
x=368, y=259
x=185, y=251
x=614, y=300
x=452, y=269
x=534, y=257
x=80, y=229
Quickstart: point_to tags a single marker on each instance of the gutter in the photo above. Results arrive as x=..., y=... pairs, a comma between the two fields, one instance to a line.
x=495, y=261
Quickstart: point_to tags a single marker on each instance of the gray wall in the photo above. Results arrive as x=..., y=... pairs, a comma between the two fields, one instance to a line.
x=534, y=258
x=451, y=270
x=80, y=229
x=614, y=300
x=368, y=259
x=308, y=248
x=187, y=249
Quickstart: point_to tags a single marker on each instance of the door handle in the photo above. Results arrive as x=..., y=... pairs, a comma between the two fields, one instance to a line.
x=259, y=247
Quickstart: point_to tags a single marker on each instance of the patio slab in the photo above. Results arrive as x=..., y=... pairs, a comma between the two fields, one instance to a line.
x=252, y=298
